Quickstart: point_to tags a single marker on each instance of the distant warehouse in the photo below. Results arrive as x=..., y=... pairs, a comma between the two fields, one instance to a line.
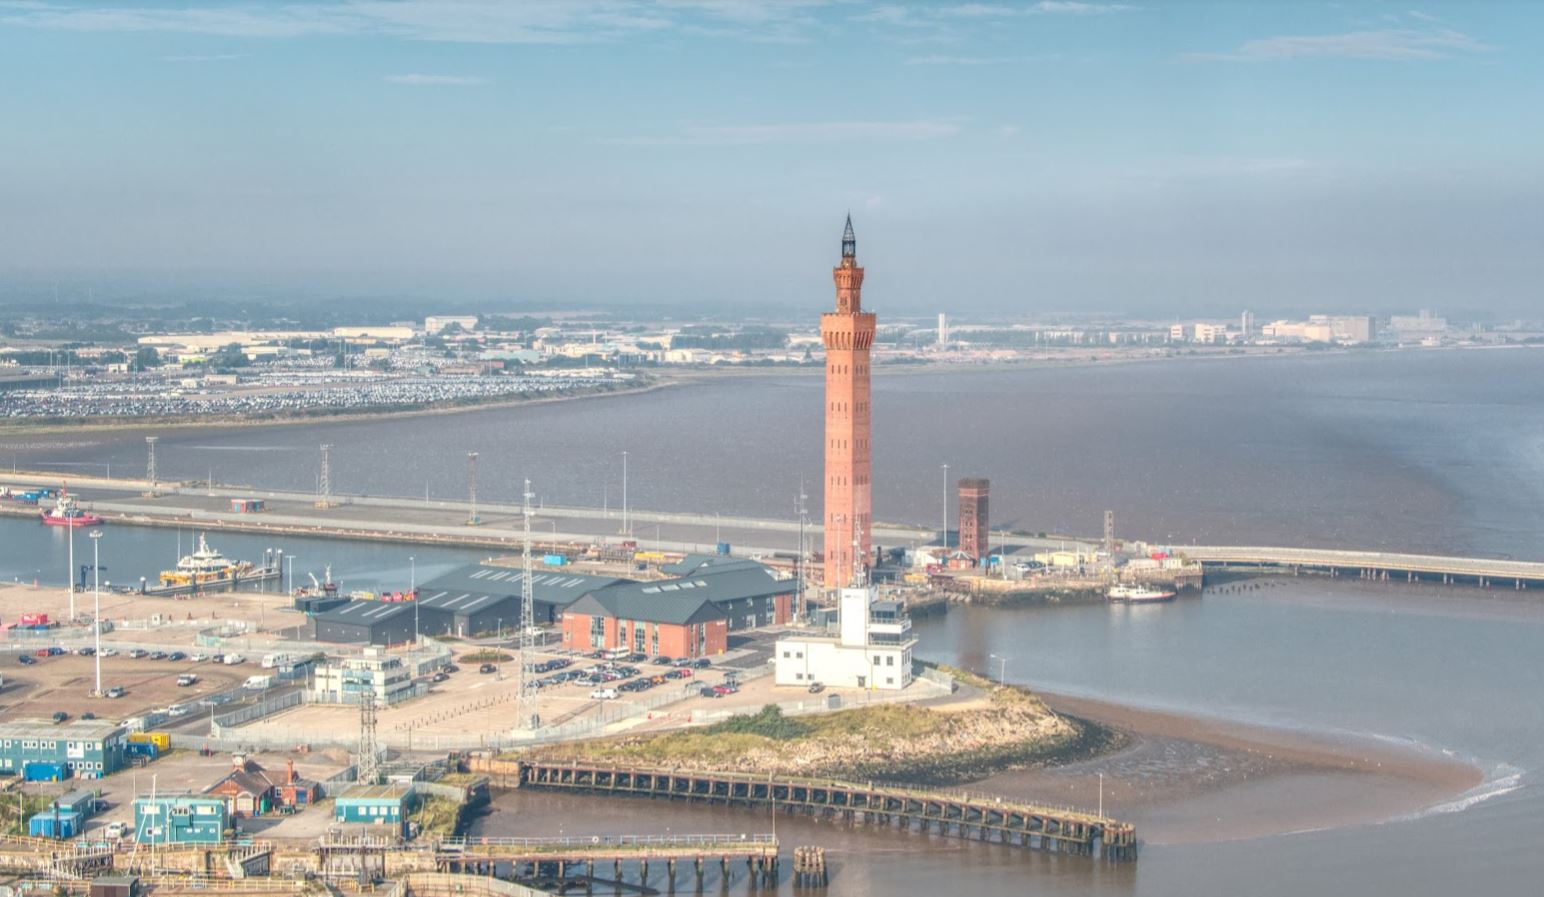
x=484, y=599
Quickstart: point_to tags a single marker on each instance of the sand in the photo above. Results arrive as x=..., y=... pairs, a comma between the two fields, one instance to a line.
x=1188, y=779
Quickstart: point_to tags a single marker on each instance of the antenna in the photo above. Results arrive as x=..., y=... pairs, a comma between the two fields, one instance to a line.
x=528, y=710
x=324, y=484
x=368, y=766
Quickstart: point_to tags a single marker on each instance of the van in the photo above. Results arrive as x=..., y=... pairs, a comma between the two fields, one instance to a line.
x=233, y=659
x=603, y=694
x=259, y=681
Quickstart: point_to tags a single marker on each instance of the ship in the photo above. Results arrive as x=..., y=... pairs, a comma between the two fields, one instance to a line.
x=1139, y=595
x=65, y=512
x=206, y=566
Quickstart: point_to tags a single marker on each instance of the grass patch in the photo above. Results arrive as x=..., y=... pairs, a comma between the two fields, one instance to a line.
x=437, y=816
x=486, y=655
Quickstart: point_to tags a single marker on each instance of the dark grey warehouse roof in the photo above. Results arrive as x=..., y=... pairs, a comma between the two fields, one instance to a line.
x=477, y=586
x=705, y=563
x=364, y=613
x=645, y=602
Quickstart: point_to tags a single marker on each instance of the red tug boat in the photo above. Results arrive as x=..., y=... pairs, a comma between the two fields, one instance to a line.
x=66, y=513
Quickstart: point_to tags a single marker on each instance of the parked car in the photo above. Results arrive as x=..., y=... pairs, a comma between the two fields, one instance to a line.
x=60, y=716
x=680, y=673
x=186, y=679
x=708, y=692
x=636, y=658
x=728, y=688
x=702, y=663
x=817, y=687
x=439, y=676
x=683, y=662
x=662, y=660
x=109, y=652
x=198, y=657
x=137, y=653
x=176, y=655
x=113, y=832
x=603, y=694
x=88, y=715
x=115, y=692
x=218, y=658
x=177, y=710
x=487, y=668
x=26, y=660
x=87, y=651
x=55, y=651
x=157, y=655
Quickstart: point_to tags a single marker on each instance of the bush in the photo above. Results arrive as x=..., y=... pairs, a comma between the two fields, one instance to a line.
x=769, y=723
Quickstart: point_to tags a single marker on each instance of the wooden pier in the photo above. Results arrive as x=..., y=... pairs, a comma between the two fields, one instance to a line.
x=556, y=859
x=981, y=817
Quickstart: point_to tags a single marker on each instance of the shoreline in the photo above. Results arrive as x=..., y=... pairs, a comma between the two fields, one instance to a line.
x=667, y=378
x=1190, y=779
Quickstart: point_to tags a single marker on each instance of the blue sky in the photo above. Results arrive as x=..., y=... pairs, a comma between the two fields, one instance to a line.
x=1157, y=157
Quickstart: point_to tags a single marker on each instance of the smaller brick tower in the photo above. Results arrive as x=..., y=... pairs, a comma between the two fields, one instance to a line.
x=975, y=526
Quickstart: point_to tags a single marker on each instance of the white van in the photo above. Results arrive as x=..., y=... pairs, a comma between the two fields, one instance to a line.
x=259, y=681
x=603, y=694
x=233, y=659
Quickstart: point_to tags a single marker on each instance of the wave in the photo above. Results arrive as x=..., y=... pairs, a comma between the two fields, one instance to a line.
x=1504, y=780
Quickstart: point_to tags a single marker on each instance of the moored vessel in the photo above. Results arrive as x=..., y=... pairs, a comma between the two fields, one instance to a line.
x=205, y=565
x=1139, y=595
x=66, y=512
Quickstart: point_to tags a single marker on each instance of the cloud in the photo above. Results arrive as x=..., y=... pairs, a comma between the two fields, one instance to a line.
x=462, y=21
x=1393, y=44
x=797, y=132
x=1081, y=9
x=426, y=80
x=204, y=57
x=1423, y=16
x=944, y=59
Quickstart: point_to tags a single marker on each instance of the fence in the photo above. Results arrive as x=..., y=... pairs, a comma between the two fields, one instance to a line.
x=261, y=709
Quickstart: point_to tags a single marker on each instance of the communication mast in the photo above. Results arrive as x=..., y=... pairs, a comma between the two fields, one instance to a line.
x=471, y=487
x=529, y=717
x=150, y=475
x=368, y=766
x=324, y=485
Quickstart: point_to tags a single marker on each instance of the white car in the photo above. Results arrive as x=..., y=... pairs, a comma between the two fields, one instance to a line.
x=603, y=694
x=198, y=657
x=109, y=652
x=177, y=710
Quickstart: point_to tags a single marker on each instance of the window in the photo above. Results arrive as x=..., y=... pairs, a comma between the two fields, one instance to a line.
x=889, y=680
x=785, y=655
x=797, y=676
x=876, y=660
x=889, y=660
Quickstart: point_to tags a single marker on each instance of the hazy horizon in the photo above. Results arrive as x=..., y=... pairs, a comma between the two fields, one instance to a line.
x=1132, y=158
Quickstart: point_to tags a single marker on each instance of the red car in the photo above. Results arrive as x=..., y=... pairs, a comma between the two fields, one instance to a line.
x=724, y=689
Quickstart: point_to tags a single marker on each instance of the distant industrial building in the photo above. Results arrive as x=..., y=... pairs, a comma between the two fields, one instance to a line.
x=45, y=750
x=873, y=647
x=975, y=525
x=437, y=323
x=475, y=598
x=365, y=623
x=180, y=819
x=669, y=618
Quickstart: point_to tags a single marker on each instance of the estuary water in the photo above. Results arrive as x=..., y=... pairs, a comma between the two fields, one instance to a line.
x=1422, y=451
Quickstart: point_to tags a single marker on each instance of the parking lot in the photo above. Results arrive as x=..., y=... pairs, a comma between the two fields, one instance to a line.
x=64, y=683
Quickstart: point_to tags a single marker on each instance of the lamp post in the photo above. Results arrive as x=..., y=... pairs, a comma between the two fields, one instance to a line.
x=69, y=572
x=96, y=621
x=945, y=533
x=412, y=589
x=290, y=560
x=1002, y=668
x=626, y=523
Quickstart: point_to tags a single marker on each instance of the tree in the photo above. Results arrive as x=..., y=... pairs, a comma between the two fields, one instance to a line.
x=146, y=358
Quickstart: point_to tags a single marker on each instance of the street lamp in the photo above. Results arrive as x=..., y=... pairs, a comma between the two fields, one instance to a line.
x=945, y=533
x=626, y=523
x=69, y=573
x=1002, y=667
x=412, y=589
x=290, y=560
x=96, y=622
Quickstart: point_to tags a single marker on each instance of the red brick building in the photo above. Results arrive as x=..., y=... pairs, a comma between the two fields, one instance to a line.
x=975, y=524
x=636, y=620
x=848, y=335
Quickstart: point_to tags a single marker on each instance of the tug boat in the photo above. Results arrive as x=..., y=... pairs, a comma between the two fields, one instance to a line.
x=1138, y=595
x=66, y=513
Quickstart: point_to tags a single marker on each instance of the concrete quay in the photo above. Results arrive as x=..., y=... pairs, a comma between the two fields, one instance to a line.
x=1375, y=565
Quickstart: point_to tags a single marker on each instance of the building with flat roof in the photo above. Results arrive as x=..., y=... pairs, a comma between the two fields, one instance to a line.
x=383, y=805
x=872, y=648
x=87, y=749
x=345, y=680
x=180, y=819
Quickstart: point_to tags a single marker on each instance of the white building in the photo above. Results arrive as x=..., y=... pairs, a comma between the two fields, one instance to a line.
x=436, y=323
x=344, y=679
x=871, y=650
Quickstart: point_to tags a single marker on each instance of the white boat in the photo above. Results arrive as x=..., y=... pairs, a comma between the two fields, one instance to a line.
x=1138, y=595
x=205, y=566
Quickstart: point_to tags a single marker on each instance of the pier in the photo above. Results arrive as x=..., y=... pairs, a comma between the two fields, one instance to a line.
x=978, y=817
x=558, y=858
x=1373, y=565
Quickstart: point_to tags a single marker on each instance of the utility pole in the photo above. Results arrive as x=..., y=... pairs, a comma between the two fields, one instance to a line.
x=798, y=610
x=471, y=487
x=944, y=534
x=368, y=767
x=412, y=589
x=627, y=527
x=290, y=560
x=96, y=620
x=529, y=715
x=70, y=573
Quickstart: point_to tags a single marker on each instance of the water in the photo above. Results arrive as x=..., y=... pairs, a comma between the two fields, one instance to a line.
x=1440, y=451
x=30, y=551
x=1437, y=451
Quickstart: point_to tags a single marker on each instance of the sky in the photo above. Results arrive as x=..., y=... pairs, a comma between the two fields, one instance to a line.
x=1143, y=158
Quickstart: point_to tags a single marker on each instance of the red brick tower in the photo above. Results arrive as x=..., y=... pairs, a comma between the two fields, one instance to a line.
x=975, y=527
x=848, y=334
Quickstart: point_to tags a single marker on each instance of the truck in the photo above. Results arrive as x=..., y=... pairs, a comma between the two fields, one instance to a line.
x=34, y=619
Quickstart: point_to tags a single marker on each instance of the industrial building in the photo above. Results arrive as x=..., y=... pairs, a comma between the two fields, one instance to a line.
x=385, y=805
x=64, y=817
x=246, y=789
x=669, y=618
x=346, y=679
x=364, y=623
x=872, y=648
x=180, y=819
x=45, y=750
x=475, y=598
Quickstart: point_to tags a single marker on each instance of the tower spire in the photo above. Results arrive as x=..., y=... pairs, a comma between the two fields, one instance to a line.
x=849, y=241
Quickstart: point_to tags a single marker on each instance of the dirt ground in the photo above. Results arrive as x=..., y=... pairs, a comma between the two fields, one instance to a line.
x=266, y=610
x=65, y=683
